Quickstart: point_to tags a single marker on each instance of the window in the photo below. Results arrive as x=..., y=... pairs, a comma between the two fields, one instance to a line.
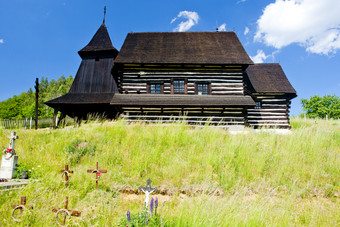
x=202, y=89
x=258, y=105
x=179, y=86
x=155, y=88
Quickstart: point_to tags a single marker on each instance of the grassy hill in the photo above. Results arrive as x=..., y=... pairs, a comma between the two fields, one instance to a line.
x=206, y=176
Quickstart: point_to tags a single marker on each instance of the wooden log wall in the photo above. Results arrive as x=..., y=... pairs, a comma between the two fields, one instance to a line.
x=214, y=116
x=221, y=83
x=273, y=113
x=226, y=80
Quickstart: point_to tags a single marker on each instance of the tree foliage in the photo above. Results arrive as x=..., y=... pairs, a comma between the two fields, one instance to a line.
x=320, y=107
x=23, y=106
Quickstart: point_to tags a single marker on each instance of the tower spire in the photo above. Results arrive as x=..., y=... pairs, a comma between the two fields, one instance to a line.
x=104, y=14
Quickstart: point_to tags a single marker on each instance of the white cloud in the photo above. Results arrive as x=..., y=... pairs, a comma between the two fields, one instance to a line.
x=313, y=24
x=260, y=57
x=222, y=27
x=191, y=20
x=246, y=31
x=1, y=41
x=240, y=1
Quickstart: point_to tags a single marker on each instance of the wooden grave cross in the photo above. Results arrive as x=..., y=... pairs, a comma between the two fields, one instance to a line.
x=68, y=213
x=147, y=190
x=98, y=173
x=66, y=172
x=22, y=207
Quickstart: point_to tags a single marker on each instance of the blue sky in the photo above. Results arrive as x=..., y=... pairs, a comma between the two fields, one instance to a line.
x=41, y=37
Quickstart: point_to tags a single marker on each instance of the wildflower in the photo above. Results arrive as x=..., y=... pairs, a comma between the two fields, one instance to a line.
x=151, y=205
x=164, y=203
x=156, y=203
x=128, y=216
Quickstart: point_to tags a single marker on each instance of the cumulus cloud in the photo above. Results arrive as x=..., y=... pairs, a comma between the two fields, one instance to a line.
x=246, y=31
x=1, y=41
x=190, y=19
x=222, y=27
x=313, y=24
x=260, y=57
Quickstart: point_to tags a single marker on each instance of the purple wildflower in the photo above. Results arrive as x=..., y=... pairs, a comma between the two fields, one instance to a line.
x=156, y=203
x=128, y=216
x=164, y=203
x=151, y=205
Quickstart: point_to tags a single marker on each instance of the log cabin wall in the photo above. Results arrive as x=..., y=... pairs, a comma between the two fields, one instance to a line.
x=221, y=80
x=271, y=111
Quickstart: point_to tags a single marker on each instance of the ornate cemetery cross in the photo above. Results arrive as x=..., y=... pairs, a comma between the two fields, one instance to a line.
x=66, y=172
x=22, y=207
x=98, y=173
x=147, y=190
x=67, y=213
x=10, y=150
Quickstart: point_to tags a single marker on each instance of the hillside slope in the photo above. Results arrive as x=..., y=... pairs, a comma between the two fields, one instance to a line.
x=207, y=176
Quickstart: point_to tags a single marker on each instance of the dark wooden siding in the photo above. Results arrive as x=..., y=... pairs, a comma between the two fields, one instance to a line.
x=221, y=83
x=215, y=116
x=273, y=113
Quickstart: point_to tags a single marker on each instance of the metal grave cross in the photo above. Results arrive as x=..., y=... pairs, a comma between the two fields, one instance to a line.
x=147, y=190
x=66, y=212
x=98, y=173
x=22, y=207
x=66, y=172
x=12, y=138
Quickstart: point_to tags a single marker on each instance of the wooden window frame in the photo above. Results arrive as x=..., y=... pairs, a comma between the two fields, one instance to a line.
x=185, y=86
x=258, y=105
x=161, y=86
x=209, y=87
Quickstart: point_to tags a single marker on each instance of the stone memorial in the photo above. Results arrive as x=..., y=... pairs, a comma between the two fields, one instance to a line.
x=9, y=159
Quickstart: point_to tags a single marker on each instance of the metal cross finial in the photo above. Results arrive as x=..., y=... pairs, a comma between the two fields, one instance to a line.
x=104, y=14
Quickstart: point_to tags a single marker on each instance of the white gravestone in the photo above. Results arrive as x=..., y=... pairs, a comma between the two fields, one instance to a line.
x=9, y=160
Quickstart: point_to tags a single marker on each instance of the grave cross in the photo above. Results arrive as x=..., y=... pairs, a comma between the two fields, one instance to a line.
x=22, y=207
x=12, y=138
x=68, y=213
x=147, y=190
x=98, y=173
x=66, y=172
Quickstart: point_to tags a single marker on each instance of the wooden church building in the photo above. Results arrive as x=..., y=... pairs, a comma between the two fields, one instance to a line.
x=197, y=77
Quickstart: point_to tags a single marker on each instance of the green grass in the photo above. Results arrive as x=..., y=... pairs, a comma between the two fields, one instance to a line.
x=213, y=178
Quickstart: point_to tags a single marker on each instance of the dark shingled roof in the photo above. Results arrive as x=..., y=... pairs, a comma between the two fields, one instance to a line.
x=181, y=100
x=100, y=42
x=183, y=48
x=270, y=78
x=93, y=83
x=81, y=98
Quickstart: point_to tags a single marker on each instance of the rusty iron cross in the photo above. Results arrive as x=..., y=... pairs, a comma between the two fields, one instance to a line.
x=66, y=212
x=65, y=172
x=98, y=173
x=22, y=207
x=147, y=190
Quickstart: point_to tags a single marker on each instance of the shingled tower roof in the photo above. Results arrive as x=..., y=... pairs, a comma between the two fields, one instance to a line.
x=100, y=43
x=93, y=86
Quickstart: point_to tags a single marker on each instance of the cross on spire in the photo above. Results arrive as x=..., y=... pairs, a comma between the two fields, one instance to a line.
x=104, y=14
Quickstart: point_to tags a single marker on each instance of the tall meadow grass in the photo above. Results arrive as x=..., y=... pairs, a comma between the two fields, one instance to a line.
x=211, y=178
